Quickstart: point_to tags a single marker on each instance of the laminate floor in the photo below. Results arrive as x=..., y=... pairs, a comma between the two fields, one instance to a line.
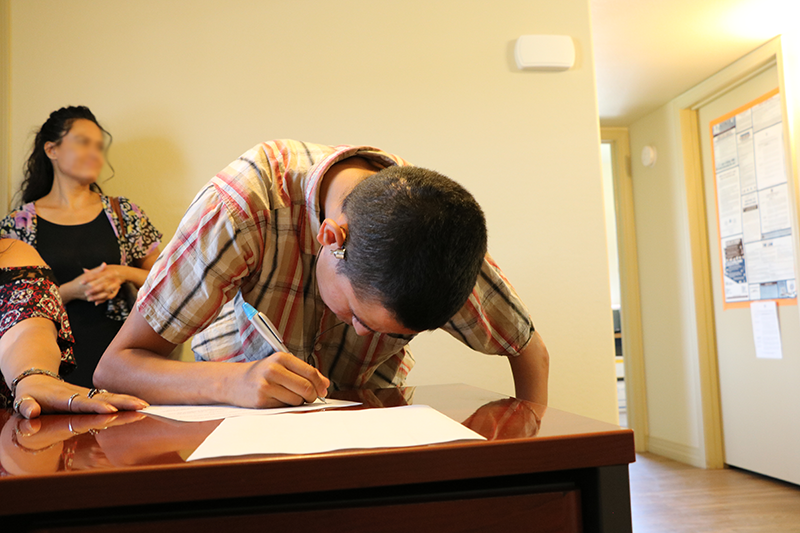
x=671, y=497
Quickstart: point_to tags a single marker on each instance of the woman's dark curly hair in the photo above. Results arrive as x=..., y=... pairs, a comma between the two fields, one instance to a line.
x=38, y=172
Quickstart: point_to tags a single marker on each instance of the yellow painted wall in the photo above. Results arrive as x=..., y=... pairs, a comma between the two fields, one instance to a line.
x=667, y=291
x=5, y=101
x=187, y=86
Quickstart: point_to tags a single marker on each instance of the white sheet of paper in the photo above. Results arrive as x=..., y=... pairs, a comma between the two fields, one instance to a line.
x=766, y=330
x=202, y=413
x=411, y=425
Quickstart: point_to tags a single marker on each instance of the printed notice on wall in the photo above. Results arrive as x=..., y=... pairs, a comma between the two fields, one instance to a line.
x=766, y=330
x=753, y=209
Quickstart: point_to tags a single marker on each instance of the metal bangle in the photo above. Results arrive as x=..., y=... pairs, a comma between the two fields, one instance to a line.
x=32, y=372
x=33, y=451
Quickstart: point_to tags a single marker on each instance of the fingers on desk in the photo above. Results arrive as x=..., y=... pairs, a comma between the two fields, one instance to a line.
x=106, y=402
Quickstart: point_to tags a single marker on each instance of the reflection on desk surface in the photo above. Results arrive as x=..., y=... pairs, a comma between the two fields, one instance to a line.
x=63, y=443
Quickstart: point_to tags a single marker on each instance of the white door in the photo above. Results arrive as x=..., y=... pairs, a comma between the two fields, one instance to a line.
x=760, y=398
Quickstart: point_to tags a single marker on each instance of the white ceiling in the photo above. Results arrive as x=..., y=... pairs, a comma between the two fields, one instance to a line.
x=647, y=52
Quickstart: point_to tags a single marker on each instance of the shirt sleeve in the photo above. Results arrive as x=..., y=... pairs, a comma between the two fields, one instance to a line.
x=17, y=226
x=217, y=247
x=141, y=235
x=493, y=320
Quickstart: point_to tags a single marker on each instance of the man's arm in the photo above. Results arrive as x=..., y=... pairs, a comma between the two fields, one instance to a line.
x=136, y=360
x=531, y=369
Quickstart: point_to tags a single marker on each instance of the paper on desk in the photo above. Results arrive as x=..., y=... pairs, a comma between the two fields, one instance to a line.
x=392, y=427
x=766, y=330
x=202, y=413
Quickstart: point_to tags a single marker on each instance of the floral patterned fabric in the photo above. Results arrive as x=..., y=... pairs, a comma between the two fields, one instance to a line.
x=139, y=239
x=29, y=292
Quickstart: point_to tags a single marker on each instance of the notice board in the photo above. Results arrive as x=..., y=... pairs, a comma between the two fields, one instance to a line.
x=754, y=215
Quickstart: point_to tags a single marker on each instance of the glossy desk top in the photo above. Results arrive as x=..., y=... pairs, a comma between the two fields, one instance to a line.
x=81, y=461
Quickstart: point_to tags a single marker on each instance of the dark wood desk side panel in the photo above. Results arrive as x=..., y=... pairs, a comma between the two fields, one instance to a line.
x=558, y=512
x=259, y=477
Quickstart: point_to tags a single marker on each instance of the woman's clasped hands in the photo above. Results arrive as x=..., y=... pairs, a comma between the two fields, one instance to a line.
x=96, y=285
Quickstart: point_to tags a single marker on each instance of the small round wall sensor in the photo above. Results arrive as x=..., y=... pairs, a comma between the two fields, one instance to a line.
x=649, y=156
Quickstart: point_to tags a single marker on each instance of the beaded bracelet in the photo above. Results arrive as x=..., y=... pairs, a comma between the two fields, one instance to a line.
x=31, y=372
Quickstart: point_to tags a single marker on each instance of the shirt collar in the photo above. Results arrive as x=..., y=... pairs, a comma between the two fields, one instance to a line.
x=317, y=172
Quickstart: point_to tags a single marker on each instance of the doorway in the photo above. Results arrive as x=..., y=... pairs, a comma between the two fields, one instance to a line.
x=623, y=264
x=607, y=158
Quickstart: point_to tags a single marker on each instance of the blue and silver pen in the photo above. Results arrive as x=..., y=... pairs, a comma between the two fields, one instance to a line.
x=267, y=330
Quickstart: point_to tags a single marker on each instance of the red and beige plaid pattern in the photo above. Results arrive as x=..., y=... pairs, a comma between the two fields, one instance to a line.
x=250, y=235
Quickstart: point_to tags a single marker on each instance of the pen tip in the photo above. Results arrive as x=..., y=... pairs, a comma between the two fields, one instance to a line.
x=249, y=310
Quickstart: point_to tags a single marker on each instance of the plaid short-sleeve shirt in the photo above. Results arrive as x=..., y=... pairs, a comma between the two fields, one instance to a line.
x=250, y=235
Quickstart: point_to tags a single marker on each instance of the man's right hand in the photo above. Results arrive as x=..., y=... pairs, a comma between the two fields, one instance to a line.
x=280, y=379
x=136, y=363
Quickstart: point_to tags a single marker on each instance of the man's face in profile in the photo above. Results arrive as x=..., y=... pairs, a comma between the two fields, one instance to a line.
x=336, y=291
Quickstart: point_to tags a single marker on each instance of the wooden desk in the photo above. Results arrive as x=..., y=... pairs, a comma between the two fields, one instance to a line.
x=541, y=470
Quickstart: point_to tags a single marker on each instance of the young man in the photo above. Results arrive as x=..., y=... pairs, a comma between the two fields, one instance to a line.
x=350, y=252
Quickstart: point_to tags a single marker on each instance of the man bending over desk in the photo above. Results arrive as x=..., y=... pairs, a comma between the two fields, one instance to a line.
x=349, y=251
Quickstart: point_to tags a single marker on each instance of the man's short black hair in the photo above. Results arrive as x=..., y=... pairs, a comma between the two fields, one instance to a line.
x=416, y=242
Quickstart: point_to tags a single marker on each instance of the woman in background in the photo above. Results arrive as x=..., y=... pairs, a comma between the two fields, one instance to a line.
x=94, y=244
x=36, y=342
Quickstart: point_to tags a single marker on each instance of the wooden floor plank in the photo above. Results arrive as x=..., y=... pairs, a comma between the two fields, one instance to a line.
x=671, y=497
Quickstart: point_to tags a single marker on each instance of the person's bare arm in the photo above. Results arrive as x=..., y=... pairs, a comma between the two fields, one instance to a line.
x=531, y=369
x=142, y=267
x=136, y=360
x=32, y=344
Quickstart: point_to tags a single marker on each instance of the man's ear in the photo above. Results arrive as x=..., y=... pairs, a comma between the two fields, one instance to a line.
x=332, y=234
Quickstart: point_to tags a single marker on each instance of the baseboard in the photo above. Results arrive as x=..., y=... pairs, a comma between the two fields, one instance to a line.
x=678, y=452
